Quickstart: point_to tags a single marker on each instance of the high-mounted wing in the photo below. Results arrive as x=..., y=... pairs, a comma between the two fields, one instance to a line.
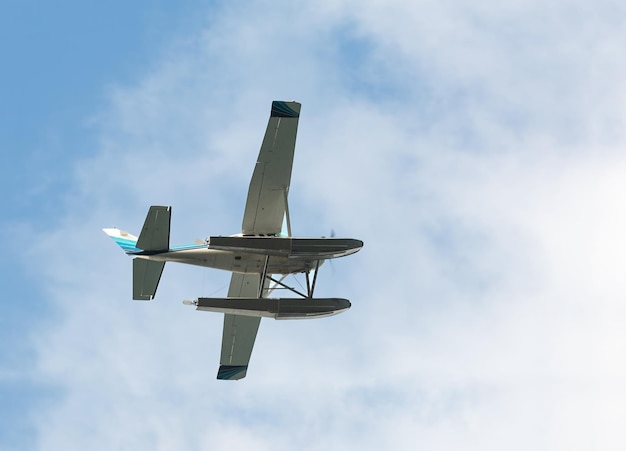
x=239, y=331
x=267, y=195
x=264, y=212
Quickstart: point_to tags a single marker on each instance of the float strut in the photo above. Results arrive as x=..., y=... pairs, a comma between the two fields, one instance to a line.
x=317, y=265
x=263, y=276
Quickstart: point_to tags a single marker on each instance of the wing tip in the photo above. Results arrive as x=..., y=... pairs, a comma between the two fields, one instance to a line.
x=285, y=109
x=232, y=372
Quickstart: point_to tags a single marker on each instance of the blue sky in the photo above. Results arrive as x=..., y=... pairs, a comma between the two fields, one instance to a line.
x=59, y=62
x=476, y=149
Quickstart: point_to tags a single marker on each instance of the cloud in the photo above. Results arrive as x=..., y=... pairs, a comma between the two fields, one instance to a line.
x=475, y=160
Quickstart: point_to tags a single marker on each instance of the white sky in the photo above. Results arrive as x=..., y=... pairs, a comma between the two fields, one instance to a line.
x=476, y=149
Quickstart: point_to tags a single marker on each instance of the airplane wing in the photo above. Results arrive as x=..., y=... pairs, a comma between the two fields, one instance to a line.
x=264, y=212
x=267, y=195
x=239, y=331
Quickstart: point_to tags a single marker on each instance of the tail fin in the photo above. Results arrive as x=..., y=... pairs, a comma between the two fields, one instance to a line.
x=125, y=240
x=154, y=236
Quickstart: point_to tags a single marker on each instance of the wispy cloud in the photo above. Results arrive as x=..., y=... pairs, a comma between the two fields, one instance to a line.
x=479, y=160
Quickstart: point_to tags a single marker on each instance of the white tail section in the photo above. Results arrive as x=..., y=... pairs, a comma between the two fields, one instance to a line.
x=154, y=238
x=125, y=240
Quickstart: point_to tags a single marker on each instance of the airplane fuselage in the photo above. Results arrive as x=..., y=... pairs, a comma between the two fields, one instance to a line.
x=229, y=261
x=248, y=254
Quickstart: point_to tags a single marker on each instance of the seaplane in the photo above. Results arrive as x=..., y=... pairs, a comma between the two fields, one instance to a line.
x=260, y=258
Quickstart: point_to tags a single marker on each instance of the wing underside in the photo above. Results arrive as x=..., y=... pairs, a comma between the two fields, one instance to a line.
x=269, y=186
x=263, y=214
x=239, y=331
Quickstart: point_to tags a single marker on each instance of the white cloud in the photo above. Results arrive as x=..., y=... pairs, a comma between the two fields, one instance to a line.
x=487, y=302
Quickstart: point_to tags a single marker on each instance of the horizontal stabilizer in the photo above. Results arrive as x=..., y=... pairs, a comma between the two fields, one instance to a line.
x=146, y=276
x=283, y=308
x=155, y=234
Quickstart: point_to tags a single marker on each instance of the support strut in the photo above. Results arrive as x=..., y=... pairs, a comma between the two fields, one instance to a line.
x=310, y=286
x=317, y=265
x=287, y=212
x=279, y=282
x=263, y=276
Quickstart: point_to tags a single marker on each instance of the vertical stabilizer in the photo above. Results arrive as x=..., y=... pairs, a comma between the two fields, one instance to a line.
x=125, y=240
